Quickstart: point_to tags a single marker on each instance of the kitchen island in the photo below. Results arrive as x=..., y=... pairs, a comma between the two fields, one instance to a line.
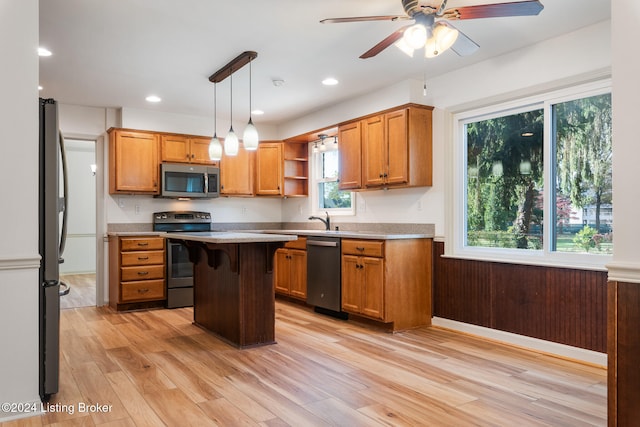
x=233, y=284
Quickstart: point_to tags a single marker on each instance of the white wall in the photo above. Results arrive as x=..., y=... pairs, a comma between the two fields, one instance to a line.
x=80, y=250
x=19, y=259
x=626, y=150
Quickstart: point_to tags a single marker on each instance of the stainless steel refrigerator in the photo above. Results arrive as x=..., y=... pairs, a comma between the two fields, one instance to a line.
x=52, y=236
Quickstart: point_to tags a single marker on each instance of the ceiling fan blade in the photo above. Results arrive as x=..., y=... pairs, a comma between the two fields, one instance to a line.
x=463, y=45
x=365, y=18
x=391, y=39
x=518, y=8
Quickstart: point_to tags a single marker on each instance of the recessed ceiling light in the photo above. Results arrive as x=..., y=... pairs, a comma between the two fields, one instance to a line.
x=43, y=51
x=330, y=81
x=257, y=112
x=153, y=98
x=40, y=88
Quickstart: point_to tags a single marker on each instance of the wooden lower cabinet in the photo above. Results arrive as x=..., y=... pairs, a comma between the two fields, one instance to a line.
x=290, y=269
x=136, y=272
x=388, y=281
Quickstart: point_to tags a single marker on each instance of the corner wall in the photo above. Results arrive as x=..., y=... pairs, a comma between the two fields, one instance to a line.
x=19, y=258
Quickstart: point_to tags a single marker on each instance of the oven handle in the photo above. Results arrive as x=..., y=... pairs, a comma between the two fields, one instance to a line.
x=205, y=190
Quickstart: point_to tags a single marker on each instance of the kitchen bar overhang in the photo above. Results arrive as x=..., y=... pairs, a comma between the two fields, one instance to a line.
x=233, y=284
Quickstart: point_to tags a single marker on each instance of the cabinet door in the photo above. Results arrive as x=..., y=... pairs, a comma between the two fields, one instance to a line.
x=372, y=271
x=298, y=277
x=281, y=271
x=236, y=173
x=351, y=284
x=397, y=147
x=269, y=165
x=199, y=148
x=175, y=148
x=349, y=146
x=374, y=151
x=134, y=162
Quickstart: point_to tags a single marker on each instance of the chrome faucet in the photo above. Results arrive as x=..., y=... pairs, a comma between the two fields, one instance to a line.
x=326, y=222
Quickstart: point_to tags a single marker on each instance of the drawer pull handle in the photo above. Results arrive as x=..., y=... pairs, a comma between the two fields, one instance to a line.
x=359, y=248
x=142, y=273
x=143, y=258
x=143, y=290
x=143, y=243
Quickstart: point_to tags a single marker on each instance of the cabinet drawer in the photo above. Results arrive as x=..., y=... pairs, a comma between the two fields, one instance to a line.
x=301, y=243
x=142, y=258
x=142, y=290
x=142, y=273
x=141, y=243
x=373, y=248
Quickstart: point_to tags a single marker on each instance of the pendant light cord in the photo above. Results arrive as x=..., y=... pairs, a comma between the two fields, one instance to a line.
x=231, y=97
x=215, y=110
x=249, y=89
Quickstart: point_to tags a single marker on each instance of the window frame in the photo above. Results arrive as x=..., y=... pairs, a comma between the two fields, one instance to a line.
x=315, y=179
x=457, y=228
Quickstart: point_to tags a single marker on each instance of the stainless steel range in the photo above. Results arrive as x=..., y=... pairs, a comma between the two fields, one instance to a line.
x=179, y=268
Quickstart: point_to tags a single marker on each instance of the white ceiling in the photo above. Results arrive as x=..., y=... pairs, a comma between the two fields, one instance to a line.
x=114, y=53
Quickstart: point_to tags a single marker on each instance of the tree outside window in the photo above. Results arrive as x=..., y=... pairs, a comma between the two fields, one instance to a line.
x=505, y=178
x=328, y=196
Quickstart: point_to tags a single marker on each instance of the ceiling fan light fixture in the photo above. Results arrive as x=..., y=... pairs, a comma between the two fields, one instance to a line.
x=415, y=36
x=403, y=46
x=442, y=39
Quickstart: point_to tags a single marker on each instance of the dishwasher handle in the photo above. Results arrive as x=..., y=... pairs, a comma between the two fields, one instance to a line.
x=321, y=243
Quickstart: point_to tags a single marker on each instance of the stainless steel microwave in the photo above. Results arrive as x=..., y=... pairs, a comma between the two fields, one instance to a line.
x=189, y=181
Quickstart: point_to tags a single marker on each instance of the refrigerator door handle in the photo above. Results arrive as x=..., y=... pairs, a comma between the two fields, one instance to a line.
x=64, y=199
x=64, y=289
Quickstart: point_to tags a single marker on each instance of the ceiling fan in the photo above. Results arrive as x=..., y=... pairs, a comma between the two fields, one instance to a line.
x=432, y=30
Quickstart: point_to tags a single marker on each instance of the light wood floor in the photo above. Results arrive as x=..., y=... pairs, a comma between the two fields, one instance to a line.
x=155, y=368
x=83, y=290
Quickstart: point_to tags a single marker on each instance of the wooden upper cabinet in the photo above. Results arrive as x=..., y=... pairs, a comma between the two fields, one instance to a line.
x=134, y=165
x=396, y=149
x=186, y=149
x=269, y=169
x=236, y=173
x=349, y=147
x=375, y=153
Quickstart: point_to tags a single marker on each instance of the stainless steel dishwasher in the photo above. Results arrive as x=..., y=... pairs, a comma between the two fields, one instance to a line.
x=324, y=287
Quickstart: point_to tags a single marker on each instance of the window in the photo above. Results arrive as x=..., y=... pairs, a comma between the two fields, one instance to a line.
x=535, y=178
x=326, y=195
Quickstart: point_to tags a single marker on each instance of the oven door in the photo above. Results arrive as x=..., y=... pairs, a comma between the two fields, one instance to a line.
x=179, y=268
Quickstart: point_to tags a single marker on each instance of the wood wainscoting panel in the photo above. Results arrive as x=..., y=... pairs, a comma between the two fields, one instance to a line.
x=623, y=350
x=563, y=305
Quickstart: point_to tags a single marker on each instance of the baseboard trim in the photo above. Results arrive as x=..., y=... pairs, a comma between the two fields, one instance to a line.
x=547, y=347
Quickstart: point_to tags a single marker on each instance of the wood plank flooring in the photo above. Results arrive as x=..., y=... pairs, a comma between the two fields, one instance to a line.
x=155, y=368
x=83, y=290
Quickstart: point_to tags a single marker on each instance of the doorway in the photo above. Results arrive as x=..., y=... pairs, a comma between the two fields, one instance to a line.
x=79, y=267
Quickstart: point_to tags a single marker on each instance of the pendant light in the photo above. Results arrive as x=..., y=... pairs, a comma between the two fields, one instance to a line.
x=231, y=143
x=215, y=148
x=250, y=136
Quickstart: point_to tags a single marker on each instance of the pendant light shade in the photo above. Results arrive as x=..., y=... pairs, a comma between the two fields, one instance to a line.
x=231, y=143
x=215, y=148
x=250, y=136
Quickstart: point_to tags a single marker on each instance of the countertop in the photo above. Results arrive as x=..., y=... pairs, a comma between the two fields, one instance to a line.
x=351, y=234
x=246, y=235
x=229, y=237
